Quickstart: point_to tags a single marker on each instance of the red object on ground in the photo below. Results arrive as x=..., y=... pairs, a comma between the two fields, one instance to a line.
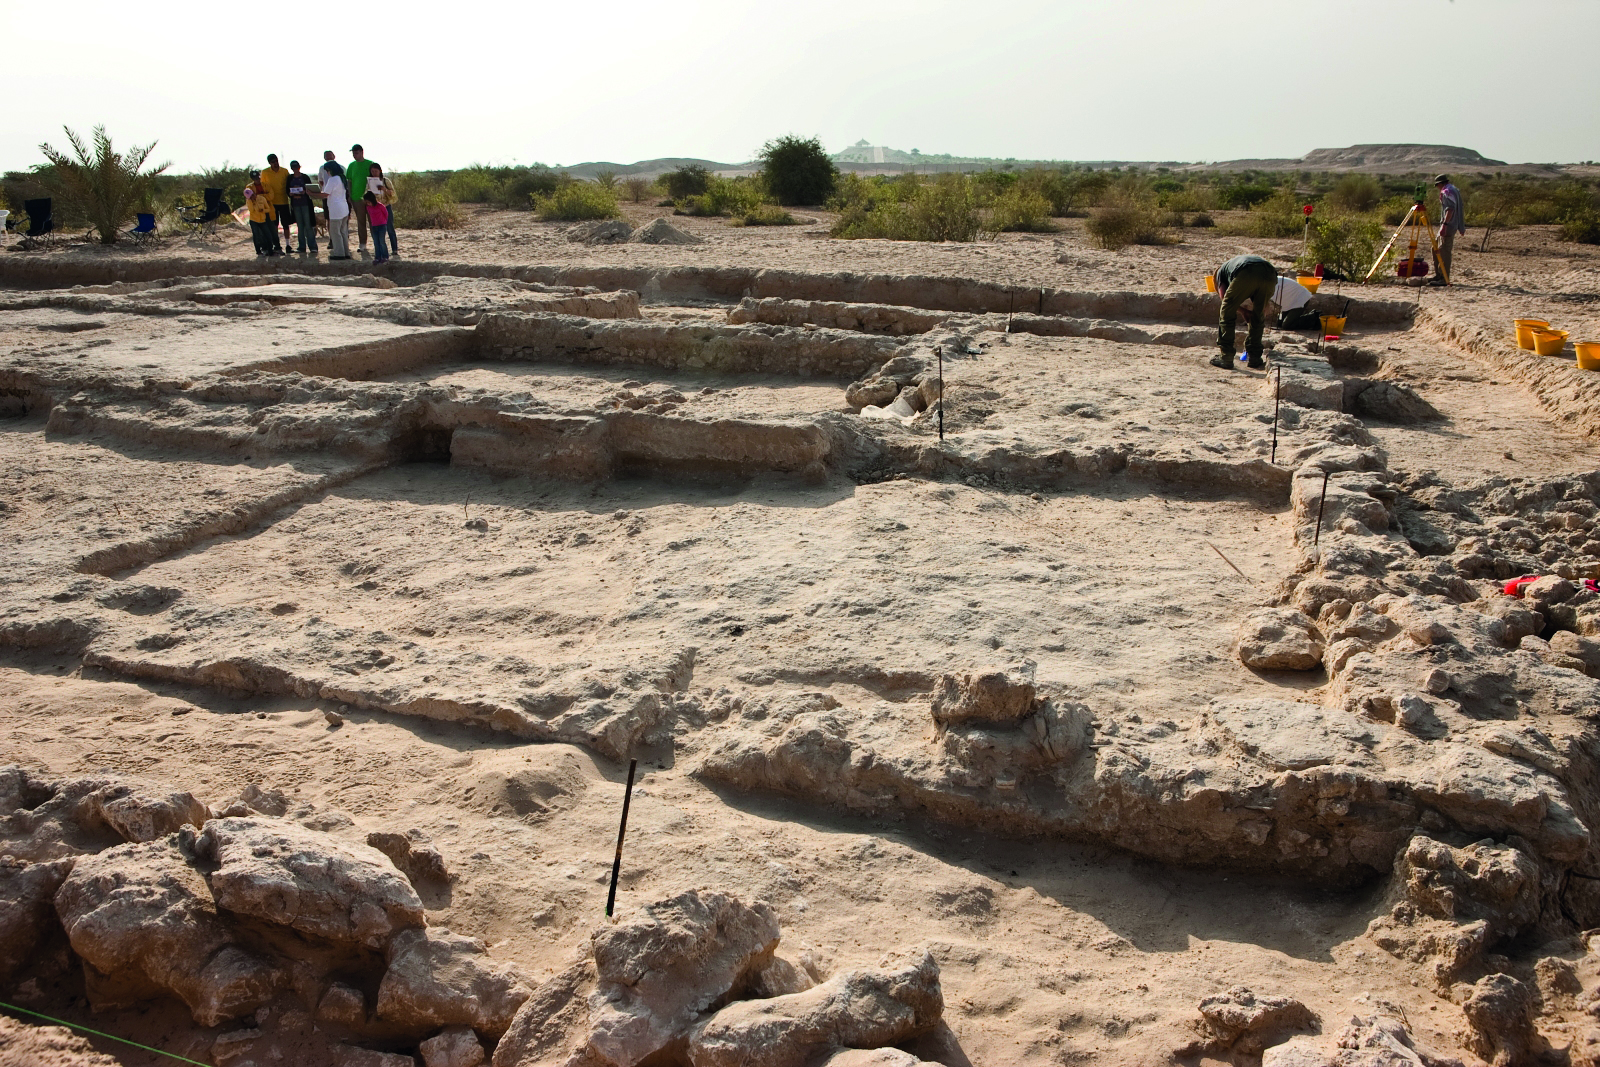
x=1514, y=586
x=1412, y=268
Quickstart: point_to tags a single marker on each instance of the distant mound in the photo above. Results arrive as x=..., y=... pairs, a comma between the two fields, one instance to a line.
x=1397, y=157
x=649, y=168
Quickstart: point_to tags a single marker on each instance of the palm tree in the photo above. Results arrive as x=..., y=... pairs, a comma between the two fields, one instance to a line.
x=107, y=186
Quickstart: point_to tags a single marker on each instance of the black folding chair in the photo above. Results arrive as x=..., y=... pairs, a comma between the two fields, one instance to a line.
x=208, y=215
x=40, y=222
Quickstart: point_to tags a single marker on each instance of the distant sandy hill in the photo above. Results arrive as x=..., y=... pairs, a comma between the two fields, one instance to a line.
x=1375, y=158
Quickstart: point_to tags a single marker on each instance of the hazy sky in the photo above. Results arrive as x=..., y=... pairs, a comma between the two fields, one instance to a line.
x=449, y=82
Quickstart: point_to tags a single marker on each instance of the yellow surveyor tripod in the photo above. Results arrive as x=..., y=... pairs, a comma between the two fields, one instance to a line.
x=1416, y=223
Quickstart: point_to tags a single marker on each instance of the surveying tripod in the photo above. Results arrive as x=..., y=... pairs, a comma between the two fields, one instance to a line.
x=1416, y=221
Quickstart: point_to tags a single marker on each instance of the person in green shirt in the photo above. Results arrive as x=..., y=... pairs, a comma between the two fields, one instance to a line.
x=356, y=176
x=1240, y=280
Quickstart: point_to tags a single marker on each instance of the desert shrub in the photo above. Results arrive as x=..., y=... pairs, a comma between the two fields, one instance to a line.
x=723, y=196
x=108, y=186
x=1126, y=221
x=1244, y=194
x=575, y=201
x=507, y=187
x=1393, y=210
x=1356, y=192
x=685, y=182
x=1018, y=210
x=1344, y=243
x=764, y=215
x=945, y=209
x=1191, y=198
x=1582, y=227
x=422, y=203
x=636, y=188
x=1278, y=216
x=1202, y=221
x=1497, y=202
x=797, y=170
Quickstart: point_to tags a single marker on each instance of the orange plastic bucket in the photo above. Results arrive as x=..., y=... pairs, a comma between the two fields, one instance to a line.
x=1588, y=354
x=1549, y=342
x=1525, y=328
x=1310, y=281
x=1211, y=283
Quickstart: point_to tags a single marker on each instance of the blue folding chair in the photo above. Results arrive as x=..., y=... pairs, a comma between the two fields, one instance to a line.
x=145, y=230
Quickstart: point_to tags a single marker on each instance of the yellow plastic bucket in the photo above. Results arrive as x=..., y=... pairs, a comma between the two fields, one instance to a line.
x=1310, y=281
x=1211, y=283
x=1549, y=342
x=1333, y=325
x=1525, y=328
x=1588, y=354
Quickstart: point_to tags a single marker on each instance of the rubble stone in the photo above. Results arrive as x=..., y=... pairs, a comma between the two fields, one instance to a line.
x=436, y=978
x=1278, y=639
x=862, y=1009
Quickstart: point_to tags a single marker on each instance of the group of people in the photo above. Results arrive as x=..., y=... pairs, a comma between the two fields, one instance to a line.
x=278, y=198
x=1254, y=281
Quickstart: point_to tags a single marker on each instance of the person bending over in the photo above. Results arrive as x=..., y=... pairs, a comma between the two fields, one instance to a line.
x=1241, y=279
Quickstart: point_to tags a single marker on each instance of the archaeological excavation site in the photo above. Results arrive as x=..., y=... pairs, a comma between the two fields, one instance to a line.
x=1004, y=685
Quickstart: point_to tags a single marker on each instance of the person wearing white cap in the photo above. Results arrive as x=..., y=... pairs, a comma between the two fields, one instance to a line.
x=1452, y=220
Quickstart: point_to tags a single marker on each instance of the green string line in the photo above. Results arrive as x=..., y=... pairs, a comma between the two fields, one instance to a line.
x=100, y=1033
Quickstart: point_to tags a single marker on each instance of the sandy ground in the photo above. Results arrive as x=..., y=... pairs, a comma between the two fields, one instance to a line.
x=1051, y=953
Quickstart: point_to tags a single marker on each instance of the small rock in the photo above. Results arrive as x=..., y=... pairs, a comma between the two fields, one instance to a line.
x=1245, y=1022
x=480, y=524
x=232, y=1045
x=333, y=717
x=420, y=863
x=991, y=696
x=864, y=1009
x=1557, y=978
x=436, y=978
x=352, y=1056
x=342, y=1005
x=1500, y=1013
x=456, y=1046
x=660, y=968
x=1436, y=681
x=1278, y=639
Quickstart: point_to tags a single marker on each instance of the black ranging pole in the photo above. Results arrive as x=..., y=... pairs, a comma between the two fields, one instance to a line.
x=622, y=831
x=938, y=350
x=1320, y=504
x=1277, y=388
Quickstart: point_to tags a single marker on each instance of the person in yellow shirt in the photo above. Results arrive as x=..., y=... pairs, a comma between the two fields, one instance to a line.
x=263, y=219
x=275, y=180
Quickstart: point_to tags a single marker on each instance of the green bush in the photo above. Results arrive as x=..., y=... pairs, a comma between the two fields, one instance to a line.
x=1278, y=216
x=108, y=186
x=723, y=196
x=1393, y=211
x=1017, y=210
x=1244, y=194
x=1356, y=192
x=1344, y=243
x=685, y=182
x=945, y=209
x=1202, y=221
x=1192, y=198
x=575, y=201
x=507, y=187
x=1583, y=227
x=798, y=171
x=1127, y=221
x=422, y=203
x=765, y=215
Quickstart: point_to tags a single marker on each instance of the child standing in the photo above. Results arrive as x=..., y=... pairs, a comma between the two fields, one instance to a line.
x=379, y=183
x=378, y=216
x=263, y=219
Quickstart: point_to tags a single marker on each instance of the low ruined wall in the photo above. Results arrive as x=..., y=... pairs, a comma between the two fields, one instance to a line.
x=367, y=360
x=726, y=349
x=604, y=446
x=866, y=318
